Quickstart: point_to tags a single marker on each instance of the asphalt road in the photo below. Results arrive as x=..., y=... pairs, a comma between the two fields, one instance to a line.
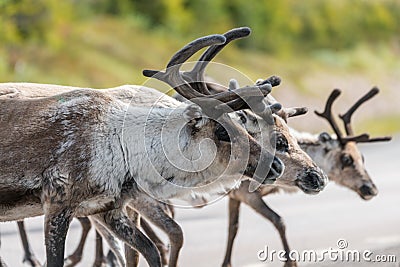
x=313, y=223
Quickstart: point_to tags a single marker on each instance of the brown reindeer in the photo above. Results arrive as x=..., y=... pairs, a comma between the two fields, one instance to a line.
x=83, y=153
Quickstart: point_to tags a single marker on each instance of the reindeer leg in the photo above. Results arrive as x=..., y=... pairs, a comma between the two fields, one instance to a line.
x=117, y=222
x=2, y=264
x=29, y=256
x=76, y=256
x=234, y=206
x=100, y=260
x=155, y=212
x=57, y=220
x=117, y=258
x=162, y=248
x=131, y=255
x=254, y=200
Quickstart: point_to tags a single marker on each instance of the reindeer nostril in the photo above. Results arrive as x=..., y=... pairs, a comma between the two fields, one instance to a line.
x=266, y=172
x=314, y=179
x=277, y=165
x=276, y=170
x=367, y=190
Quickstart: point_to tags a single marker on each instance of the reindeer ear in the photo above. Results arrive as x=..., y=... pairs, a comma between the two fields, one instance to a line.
x=193, y=115
x=324, y=137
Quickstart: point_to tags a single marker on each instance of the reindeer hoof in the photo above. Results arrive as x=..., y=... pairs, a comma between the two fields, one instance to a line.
x=164, y=251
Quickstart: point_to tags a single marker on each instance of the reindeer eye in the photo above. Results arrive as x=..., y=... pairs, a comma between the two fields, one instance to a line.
x=242, y=118
x=346, y=160
x=281, y=143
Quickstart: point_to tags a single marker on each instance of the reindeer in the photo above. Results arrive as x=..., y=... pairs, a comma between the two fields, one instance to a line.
x=337, y=155
x=84, y=153
x=300, y=163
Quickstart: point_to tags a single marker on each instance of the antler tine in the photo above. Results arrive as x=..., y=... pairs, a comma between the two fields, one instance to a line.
x=256, y=104
x=364, y=138
x=190, y=49
x=327, y=114
x=196, y=75
x=346, y=118
x=377, y=139
x=237, y=95
x=212, y=51
x=273, y=80
x=295, y=111
x=172, y=75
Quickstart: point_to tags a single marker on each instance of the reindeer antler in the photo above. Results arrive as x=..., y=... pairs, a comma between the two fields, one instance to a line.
x=172, y=75
x=196, y=75
x=256, y=103
x=175, y=78
x=346, y=118
x=327, y=114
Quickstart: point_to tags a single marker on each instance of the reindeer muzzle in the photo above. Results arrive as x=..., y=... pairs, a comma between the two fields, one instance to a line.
x=312, y=182
x=367, y=191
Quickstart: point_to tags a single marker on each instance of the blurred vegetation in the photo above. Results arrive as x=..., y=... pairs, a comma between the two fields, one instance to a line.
x=103, y=43
x=282, y=27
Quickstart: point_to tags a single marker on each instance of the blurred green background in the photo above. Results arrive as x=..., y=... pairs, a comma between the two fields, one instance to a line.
x=313, y=45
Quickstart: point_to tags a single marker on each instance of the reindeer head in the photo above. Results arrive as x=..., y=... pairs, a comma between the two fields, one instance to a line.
x=300, y=170
x=207, y=115
x=343, y=160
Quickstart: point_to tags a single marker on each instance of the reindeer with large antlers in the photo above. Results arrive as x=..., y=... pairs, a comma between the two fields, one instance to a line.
x=337, y=155
x=85, y=153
